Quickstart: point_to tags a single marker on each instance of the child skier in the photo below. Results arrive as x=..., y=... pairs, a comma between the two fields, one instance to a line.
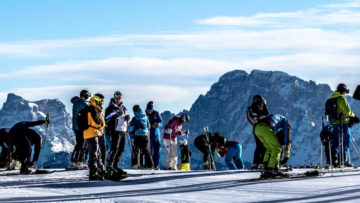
x=185, y=155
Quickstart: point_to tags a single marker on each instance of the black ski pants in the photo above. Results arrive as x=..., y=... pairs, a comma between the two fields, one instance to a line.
x=95, y=162
x=204, y=149
x=259, y=151
x=117, y=148
x=79, y=153
x=142, y=148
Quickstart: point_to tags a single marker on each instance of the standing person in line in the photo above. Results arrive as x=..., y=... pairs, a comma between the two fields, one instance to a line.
x=257, y=111
x=95, y=125
x=140, y=128
x=116, y=120
x=173, y=129
x=339, y=117
x=78, y=157
x=23, y=137
x=155, y=144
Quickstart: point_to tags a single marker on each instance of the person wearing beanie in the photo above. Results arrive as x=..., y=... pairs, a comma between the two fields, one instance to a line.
x=254, y=113
x=78, y=157
x=341, y=119
x=140, y=129
x=155, y=123
x=172, y=130
x=96, y=123
x=117, y=123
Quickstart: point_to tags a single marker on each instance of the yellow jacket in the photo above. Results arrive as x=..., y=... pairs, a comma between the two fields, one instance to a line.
x=96, y=121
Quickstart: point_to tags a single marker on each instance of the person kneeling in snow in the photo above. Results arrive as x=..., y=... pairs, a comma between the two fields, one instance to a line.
x=232, y=151
x=185, y=156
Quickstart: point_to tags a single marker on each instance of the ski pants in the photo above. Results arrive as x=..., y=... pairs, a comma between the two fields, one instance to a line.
x=155, y=145
x=95, y=162
x=273, y=148
x=172, y=157
x=142, y=149
x=116, y=149
x=79, y=153
x=103, y=149
x=336, y=135
x=233, y=157
x=259, y=150
x=204, y=149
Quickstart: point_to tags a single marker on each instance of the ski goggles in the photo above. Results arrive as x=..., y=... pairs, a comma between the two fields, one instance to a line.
x=99, y=100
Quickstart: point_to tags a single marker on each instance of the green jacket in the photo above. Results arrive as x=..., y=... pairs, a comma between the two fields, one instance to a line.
x=343, y=106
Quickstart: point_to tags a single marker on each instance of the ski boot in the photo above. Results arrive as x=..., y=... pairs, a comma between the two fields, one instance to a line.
x=25, y=168
x=273, y=174
x=348, y=164
x=112, y=174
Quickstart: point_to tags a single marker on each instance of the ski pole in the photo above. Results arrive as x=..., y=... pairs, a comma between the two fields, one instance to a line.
x=353, y=142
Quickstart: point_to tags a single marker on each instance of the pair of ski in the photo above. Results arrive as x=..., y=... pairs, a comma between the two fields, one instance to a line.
x=308, y=174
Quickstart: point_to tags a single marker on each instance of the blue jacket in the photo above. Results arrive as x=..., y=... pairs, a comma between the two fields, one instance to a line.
x=279, y=124
x=78, y=105
x=140, y=124
x=155, y=118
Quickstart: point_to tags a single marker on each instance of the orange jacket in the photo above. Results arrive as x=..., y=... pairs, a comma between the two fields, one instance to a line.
x=96, y=121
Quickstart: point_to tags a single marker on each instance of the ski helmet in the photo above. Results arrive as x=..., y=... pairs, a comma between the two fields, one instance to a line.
x=99, y=99
x=220, y=141
x=85, y=94
x=342, y=88
x=258, y=99
x=117, y=94
x=185, y=118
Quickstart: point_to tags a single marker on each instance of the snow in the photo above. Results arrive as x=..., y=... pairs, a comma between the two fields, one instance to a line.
x=178, y=186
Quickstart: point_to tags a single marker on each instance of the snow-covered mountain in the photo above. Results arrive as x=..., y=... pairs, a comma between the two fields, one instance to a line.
x=59, y=136
x=223, y=109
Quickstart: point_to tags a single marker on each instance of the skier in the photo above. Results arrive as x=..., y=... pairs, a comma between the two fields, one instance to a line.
x=274, y=131
x=257, y=111
x=173, y=129
x=78, y=157
x=116, y=120
x=206, y=144
x=5, y=156
x=22, y=137
x=93, y=132
x=326, y=140
x=155, y=122
x=232, y=151
x=185, y=155
x=340, y=115
x=140, y=128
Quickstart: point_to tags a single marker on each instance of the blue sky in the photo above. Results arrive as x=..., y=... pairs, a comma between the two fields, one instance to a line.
x=170, y=51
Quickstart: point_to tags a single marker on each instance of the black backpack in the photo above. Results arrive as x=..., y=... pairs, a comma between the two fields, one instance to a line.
x=82, y=119
x=331, y=109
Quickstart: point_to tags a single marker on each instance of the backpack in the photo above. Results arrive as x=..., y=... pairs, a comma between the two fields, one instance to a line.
x=82, y=119
x=331, y=110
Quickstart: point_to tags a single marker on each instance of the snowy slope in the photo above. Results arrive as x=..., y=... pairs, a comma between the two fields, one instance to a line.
x=164, y=186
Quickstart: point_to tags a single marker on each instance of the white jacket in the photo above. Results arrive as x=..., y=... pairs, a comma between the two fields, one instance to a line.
x=121, y=125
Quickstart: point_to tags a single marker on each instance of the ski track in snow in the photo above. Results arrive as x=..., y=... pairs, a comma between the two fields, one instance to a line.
x=179, y=186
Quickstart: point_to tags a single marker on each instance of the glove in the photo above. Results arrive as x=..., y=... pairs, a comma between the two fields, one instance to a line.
x=127, y=117
x=353, y=121
x=155, y=125
x=282, y=162
x=287, y=151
